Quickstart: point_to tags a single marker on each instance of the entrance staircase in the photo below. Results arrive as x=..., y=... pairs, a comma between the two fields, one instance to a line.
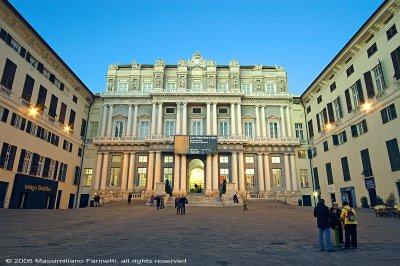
x=199, y=201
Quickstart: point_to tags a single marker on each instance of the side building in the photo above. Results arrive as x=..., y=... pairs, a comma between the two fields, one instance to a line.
x=258, y=126
x=351, y=110
x=44, y=107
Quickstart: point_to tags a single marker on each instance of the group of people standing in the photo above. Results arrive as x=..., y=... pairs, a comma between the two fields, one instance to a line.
x=180, y=205
x=334, y=218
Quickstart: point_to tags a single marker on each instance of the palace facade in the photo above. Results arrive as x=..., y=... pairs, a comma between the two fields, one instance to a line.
x=260, y=129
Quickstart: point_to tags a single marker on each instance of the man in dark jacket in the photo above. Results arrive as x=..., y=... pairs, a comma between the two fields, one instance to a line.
x=322, y=213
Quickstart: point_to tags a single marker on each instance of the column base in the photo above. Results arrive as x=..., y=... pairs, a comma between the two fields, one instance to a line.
x=208, y=193
x=176, y=193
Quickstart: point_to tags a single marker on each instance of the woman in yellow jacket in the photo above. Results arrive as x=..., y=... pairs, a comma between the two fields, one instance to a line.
x=349, y=216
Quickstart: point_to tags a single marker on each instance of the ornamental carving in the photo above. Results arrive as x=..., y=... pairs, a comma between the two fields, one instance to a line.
x=135, y=66
x=235, y=82
x=182, y=82
x=257, y=67
x=197, y=61
x=258, y=85
x=160, y=63
x=234, y=63
x=113, y=66
x=211, y=82
x=182, y=63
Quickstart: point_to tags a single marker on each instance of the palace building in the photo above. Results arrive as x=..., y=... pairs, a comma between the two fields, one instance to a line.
x=43, y=110
x=246, y=112
x=351, y=110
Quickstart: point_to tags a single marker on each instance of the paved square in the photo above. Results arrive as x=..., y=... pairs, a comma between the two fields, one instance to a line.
x=268, y=234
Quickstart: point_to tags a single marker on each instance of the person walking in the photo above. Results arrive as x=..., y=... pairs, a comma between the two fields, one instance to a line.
x=152, y=200
x=129, y=198
x=321, y=212
x=336, y=224
x=177, y=205
x=158, y=202
x=349, y=216
x=182, y=204
x=245, y=205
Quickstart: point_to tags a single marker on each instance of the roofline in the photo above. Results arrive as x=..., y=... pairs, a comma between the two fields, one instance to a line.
x=13, y=9
x=345, y=46
x=176, y=66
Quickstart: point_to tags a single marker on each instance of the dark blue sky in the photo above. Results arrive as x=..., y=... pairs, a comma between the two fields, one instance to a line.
x=303, y=36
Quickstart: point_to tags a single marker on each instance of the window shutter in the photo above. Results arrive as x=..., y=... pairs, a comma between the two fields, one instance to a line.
x=11, y=159
x=3, y=154
x=318, y=123
x=393, y=111
x=62, y=86
x=340, y=107
x=61, y=171
x=331, y=115
x=22, y=52
x=55, y=171
x=335, y=139
x=39, y=131
x=70, y=147
x=348, y=100
x=384, y=116
x=5, y=115
x=393, y=152
x=8, y=39
x=344, y=137
x=3, y=34
x=396, y=62
x=52, y=77
x=46, y=167
x=310, y=129
x=383, y=76
x=23, y=122
x=325, y=116
x=28, y=57
x=369, y=84
x=354, y=132
x=57, y=140
x=309, y=153
x=13, y=119
x=316, y=178
x=21, y=160
x=28, y=126
x=40, y=67
x=28, y=88
x=364, y=124
x=34, y=164
x=360, y=91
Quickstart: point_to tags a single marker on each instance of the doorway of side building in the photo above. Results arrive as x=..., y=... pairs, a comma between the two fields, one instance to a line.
x=196, y=176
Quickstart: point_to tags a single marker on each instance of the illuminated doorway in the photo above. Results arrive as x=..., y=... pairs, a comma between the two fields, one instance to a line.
x=196, y=176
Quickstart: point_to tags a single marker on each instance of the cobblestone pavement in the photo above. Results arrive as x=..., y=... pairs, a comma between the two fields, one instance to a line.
x=268, y=234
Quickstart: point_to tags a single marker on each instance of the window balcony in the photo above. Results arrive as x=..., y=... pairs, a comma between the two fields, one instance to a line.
x=5, y=92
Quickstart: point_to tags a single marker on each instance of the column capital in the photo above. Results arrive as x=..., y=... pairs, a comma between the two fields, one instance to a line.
x=129, y=104
x=136, y=104
x=110, y=104
x=208, y=103
x=132, y=152
x=105, y=152
x=157, y=151
x=126, y=153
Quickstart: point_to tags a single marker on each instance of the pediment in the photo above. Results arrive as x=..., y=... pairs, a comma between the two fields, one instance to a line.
x=119, y=116
x=247, y=117
x=272, y=117
x=144, y=116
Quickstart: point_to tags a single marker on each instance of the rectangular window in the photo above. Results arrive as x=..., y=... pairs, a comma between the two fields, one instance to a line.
x=63, y=172
x=326, y=147
x=304, y=178
x=366, y=162
x=147, y=86
x=116, y=159
x=41, y=100
x=396, y=62
x=270, y=88
x=302, y=154
x=345, y=169
x=71, y=119
x=355, y=96
x=250, y=178
x=394, y=154
x=142, y=158
x=28, y=88
x=46, y=73
x=26, y=162
x=319, y=99
x=273, y=130
x=359, y=128
x=337, y=109
x=169, y=128
x=170, y=110
x=310, y=128
x=223, y=128
x=15, y=46
x=118, y=128
x=197, y=85
x=276, y=159
x=223, y=159
x=248, y=129
x=276, y=177
x=391, y=32
x=222, y=86
x=196, y=110
x=168, y=174
x=222, y=110
x=39, y=169
x=333, y=86
x=93, y=129
x=67, y=146
x=167, y=159
x=340, y=138
x=316, y=178
x=389, y=113
x=63, y=111
x=123, y=86
x=224, y=175
x=83, y=128
x=7, y=156
x=378, y=77
x=299, y=131
x=142, y=177
x=4, y=114
x=308, y=109
x=31, y=60
x=196, y=127
x=18, y=121
x=144, y=129
x=114, y=176
x=329, y=175
x=249, y=159
x=350, y=71
x=371, y=50
x=7, y=79
x=52, y=169
x=77, y=176
x=171, y=86
x=246, y=88
x=53, y=106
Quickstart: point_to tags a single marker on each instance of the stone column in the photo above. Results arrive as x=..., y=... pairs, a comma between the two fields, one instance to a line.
x=184, y=121
x=134, y=133
x=177, y=172
x=183, y=175
x=239, y=117
x=178, y=118
x=293, y=173
x=234, y=169
x=153, y=120
x=159, y=126
x=289, y=123
x=215, y=174
x=208, y=119
x=283, y=126
x=267, y=172
x=208, y=175
x=261, y=188
x=157, y=172
x=129, y=124
x=131, y=173
x=263, y=128
x=242, y=187
x=233, y=124
x=98, y=171
x=104, y=172
x=215, y=121
x=257, y=122
x=287, y=172
x=124, y=171
x=103, y=124
x=150, y=171
x=109, y=126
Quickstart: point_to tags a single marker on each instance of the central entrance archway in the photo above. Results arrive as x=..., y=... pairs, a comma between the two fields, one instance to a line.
x=196, y=176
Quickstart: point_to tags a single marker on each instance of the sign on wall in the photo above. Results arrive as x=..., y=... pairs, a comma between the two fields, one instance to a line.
x=195, y=144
